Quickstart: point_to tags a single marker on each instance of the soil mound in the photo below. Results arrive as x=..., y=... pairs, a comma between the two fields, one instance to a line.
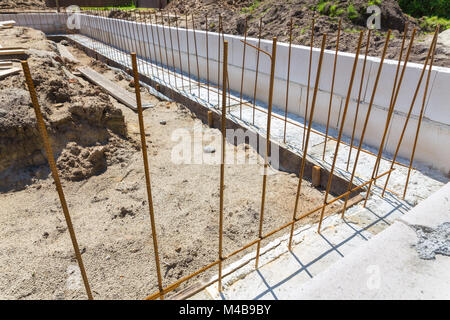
x=81, y=121
x=22, y=4
x=276, y=16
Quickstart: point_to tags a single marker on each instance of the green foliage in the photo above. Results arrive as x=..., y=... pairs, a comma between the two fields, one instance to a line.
x=252, y=7
x=374, y=3
x=429, y=8
x=430, y=23
x=130, y=6
x=352, y=14
x=322, y=7
x=332, y=10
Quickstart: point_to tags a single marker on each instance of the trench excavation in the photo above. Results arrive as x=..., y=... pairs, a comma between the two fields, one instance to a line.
x=96, y=143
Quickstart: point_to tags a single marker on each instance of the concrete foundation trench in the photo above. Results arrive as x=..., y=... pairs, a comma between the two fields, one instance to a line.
x=96, y=142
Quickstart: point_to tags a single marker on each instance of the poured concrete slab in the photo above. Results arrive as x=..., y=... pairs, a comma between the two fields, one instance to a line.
x=389, y=266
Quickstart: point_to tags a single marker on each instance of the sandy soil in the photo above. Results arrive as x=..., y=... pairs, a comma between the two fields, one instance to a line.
x=110, y=212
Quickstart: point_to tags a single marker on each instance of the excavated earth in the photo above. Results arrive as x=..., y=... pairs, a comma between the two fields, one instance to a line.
x=95, y=140
x=276, y=15
x=81, y=115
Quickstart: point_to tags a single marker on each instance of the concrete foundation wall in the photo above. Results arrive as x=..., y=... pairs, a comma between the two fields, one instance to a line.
x=433, y=144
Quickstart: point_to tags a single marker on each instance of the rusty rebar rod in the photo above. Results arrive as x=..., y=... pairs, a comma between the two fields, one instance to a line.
x=154, y=47
x=411, y=160
x=196, y=54
x=288, y=80
x=149, y=51
x=179, y=51
x=257, y=69
x=388, y=119
x=54, y=170
x=252, y=243
x=222, y=163
x=243, y=67
x=159, y=47
x=405, y=32
x=188, y=54
x=207, y=54
x=267, y=151
x=171, y=49
x=305, y=149
x=332, y=87
x=355, y=120
x=165, y=50
x=430, y=52
x=366, y=121
x=146, y=168
x=341, y=129
x=309, y=83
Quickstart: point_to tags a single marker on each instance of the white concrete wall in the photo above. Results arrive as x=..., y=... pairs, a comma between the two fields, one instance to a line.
x=434, y=140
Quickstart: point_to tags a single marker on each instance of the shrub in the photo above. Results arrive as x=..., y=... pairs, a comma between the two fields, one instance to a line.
x=419, y=8
x=430, y=23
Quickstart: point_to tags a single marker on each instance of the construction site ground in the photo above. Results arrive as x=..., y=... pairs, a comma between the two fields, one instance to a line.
x=109, y=208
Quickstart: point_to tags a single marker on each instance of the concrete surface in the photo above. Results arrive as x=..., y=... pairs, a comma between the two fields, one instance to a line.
x=341, y=264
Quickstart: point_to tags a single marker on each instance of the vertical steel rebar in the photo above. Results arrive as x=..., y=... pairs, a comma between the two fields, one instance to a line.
x=54, y=170
x=288, y=80
x=411, y=160
x=165, y=49
x=147, y=55
x=243, y=67
x=147, y=170
x=207, y=56
x=218, y=60
x=430, y=52
x=405, y=31
x=332, y=88
x=196, y=54
x=154, y=47
x=309, y=82
x=179, y=52
x=188, y=55
x=369, y=109
x=257, y=69
x=222, y=163
x=347, y=100
x=355, y=120
x=159, y=47
x=388, y=120
x=171, y=49
x=305, y=150
x=266, y=154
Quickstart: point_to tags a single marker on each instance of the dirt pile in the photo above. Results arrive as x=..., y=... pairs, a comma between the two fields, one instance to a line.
x=73, y=111
x=22, y=4
x=276, y=15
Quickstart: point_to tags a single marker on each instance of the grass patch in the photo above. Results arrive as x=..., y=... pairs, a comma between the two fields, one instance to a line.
x=374, y=3
x=252, y=7
x=322, y=7
x=430, y=23
x=352, y=14
x=327, y=9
